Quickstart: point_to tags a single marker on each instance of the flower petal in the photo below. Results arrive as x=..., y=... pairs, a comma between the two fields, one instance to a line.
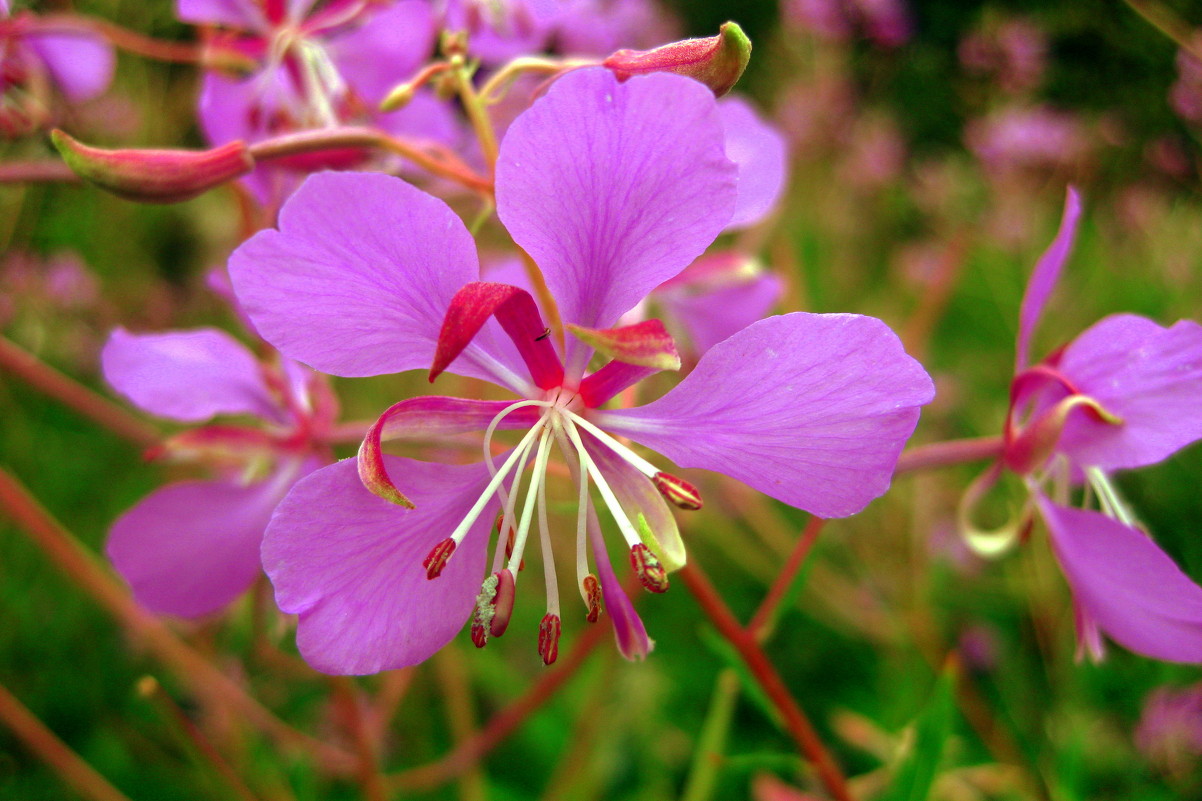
x=718, y=305
x=350, y=564
x=613, y=188
x=81, y=63
x=358, y=277
x=760, y=153
x=1126, y=584
x=812, y=409
x=1149, y=376
x=242, y=14
x=188, y=375
x=386, y=49
x=189, y=549
x=629, y=632
x=1045, y=275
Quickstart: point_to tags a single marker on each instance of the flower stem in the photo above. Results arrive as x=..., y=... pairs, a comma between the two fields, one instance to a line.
x=477, y=114
x=945, y=454
x=99, y=409
x=769, y=679
x=54, y=752
x=45, y=171
x=123, y=38
x=1165, y=20
x=346, y=696
x=765, y=616
x=82, y=567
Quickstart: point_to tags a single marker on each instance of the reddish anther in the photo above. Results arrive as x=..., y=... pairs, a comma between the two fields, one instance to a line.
x=678, y=491
x=548, y=638
x=509, y=539
x=438, y=558
x=479, y=634
x=647, y=566
x=592, y=591
x=502, y=603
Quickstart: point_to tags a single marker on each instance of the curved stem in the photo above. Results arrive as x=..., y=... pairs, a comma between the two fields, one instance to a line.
x=123, y=38
x=945, y=454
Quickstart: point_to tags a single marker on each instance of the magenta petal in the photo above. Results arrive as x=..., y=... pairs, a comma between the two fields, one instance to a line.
x=1127, y=585
x=812, y=409
x=226, y=108
x=629, y=632
x=350, y=564
x=613, y=188
x=386, y=49
x=358, y=277
x=1148, y=375
x=81, y=63
x=189, y=549
x=244, y=14
x=760, y=153
x=1045, y=275
x=187, y=375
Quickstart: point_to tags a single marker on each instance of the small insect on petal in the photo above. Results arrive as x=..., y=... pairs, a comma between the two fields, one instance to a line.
x=650, y=572
x=548, y=638
x=676, y=490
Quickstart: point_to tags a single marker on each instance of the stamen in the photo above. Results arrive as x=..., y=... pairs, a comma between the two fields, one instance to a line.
x=502, y=603
x=679, y=492
x=494, y=607
x=1109, y=499
x=508, y=539
x=438, y=558
x=536, y=480
x=591, y=588
x=650, y=572
x=478, y=507
x=548, y=638
x=611, y=501
x=636, y=461
x=544, y=537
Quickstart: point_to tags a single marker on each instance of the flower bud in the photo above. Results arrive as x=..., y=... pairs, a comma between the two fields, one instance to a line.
x=155, y=176
x=716, y=61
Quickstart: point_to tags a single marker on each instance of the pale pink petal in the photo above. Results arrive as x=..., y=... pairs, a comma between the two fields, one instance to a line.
x=812, y=409
x=1045, y=275
x=359, y=276
x=1127, y=585
x=1149, y=376
x=613, y=188
x=243, y=14
x=350, y=564
x=761, y=154
x=81, y=63
x=386, y=49
x=711, y=313
x=187, y=375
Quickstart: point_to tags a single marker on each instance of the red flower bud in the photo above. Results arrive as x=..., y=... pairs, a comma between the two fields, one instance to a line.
x=716, y=61
x=155, y=176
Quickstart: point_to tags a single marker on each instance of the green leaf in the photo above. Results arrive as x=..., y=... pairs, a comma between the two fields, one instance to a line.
x=915, y=773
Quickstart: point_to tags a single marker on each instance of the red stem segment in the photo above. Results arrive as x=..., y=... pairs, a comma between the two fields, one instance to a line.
x=762, y=619
x=769, y=680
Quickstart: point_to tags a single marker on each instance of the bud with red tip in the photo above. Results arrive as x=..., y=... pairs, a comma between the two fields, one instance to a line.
x=716, y=61
x=155, y=176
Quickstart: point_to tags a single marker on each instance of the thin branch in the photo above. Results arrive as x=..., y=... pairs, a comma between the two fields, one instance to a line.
x=945, y=454
x=54, y=752
x=37, y=172
x=123, y=38
x=761, y=621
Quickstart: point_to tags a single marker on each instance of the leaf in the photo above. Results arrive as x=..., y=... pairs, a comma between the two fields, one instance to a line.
x=915, y=774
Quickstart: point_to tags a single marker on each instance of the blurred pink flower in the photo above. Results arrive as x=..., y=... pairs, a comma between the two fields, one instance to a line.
x=1028, y=138
x=1014, y=53
x=885, y=22
x=1170, y=729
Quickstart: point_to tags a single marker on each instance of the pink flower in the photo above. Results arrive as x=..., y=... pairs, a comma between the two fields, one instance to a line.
x=612, y=188
x=1123, y=394
x=192, y=547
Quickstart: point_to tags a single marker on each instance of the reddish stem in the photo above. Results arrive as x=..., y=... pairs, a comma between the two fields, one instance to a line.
x=54, y=752
x=37, y=172
x=74, y=394
x=769, y=679
x=945, y=454
x=123, y=38
x=762, y=619
x=81, y=566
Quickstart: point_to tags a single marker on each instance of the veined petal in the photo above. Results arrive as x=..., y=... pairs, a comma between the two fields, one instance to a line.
x=243, y=14
x=188, y=375
x=189, y=549
x=358, y=277
x=760, y=153
x=812, y=409
x=1045, y=275
x=431, y=416
x=1126, y=585
x=81, y=63
x=613, y=188
x=350, y=564
x=385, y=49
x=611, y=379
x=1145, y=374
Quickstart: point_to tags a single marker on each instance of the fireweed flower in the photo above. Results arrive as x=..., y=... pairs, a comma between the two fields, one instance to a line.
x=192, y=547
x=611, y=188
x=320, y=66
x=1123, y=394
x=35, y=57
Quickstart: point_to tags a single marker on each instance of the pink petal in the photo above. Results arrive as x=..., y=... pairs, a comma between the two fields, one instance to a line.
x=1127, y=585
x=613, y=188
x=359, y=276
x=226, y=109
x=1045, y=275
x=189, y=549
x=386, y=49
x=187, y=375
x=812, y=409
x=1148, y=375
x=760, y=153
x=81, y=63
x=629, y=632
x=243, y=14
x=710, y=312
x=350, y=564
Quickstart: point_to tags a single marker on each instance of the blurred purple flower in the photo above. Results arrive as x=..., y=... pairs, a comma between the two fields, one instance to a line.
x=1013, y=52
x=316, y=69
x=885, y=22
x=1027, y=138
x=1170, y=730
x=192, y=547
x=1123, y=394
x=35, y=55
x=612, y=189
x=1185, y=96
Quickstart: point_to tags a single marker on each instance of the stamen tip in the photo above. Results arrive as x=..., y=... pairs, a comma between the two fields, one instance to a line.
x=592, y=597
x=438, y=558
x=548, y=638
x=648, y=568
x=678, y=491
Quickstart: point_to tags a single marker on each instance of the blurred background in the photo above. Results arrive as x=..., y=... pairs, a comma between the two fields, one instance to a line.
x=930, y=147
